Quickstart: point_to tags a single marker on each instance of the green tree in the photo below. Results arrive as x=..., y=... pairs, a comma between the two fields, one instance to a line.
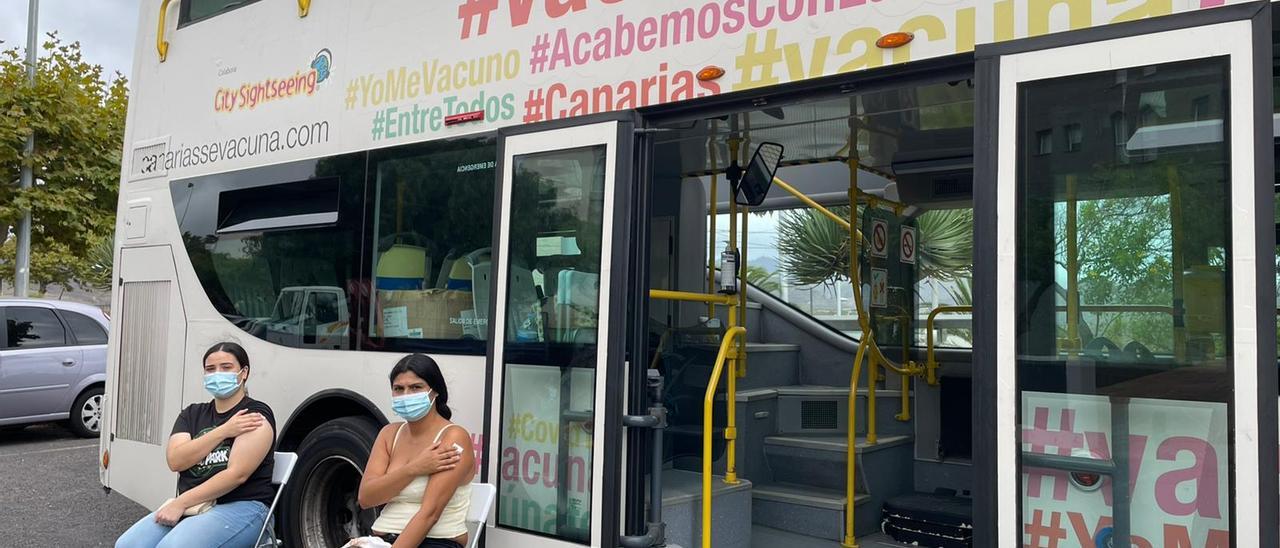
x=77, y=115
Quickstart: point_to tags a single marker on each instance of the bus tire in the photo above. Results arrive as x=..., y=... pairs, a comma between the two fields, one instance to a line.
x=319, y=508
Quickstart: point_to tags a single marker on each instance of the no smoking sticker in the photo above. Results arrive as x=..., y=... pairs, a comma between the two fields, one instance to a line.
x=879, y=238
x=879, y=288
x=907, y=251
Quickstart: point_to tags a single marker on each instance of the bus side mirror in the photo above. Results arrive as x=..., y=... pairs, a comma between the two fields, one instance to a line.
x=758, y=177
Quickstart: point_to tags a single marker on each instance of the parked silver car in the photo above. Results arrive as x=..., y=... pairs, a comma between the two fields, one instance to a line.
x=53, y=362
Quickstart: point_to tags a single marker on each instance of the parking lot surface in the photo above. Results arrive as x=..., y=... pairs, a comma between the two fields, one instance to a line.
x=50, y=493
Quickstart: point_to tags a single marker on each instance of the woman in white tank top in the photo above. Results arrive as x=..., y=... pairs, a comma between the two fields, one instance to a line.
x=421, y=469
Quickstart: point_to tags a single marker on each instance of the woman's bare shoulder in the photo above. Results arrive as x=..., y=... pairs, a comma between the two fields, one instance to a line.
x=456, y=433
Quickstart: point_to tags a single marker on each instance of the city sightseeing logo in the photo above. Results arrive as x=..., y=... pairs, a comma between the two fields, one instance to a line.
x=253, y=94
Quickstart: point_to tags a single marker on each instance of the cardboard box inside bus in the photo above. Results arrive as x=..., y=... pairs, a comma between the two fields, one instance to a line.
x=424, y=314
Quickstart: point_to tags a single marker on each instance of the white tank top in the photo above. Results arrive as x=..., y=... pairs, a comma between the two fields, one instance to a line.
x=397, y=513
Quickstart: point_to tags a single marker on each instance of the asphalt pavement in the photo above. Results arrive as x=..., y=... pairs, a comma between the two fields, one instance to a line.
x=50, y=494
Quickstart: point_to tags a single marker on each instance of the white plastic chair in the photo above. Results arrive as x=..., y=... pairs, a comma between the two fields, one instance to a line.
x=482, y=497
x=279, y=476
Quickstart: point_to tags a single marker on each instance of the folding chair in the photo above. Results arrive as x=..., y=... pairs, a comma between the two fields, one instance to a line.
x=279, y=476
x=482, y=497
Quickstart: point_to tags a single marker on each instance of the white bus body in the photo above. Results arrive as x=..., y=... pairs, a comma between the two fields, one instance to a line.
x=261, y=86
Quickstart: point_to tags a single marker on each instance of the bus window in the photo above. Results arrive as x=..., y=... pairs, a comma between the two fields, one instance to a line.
x=196, y=10
x=1122, y=281
x=256, y=265
x=432, y=226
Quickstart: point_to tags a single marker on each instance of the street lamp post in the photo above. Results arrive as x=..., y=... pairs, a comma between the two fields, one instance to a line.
x=22, y=276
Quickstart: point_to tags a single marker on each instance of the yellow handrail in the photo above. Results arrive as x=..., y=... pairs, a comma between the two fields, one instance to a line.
x=852, y=440
x=742, y=295
x=304, y=7
x=868, y=341
x=707, y=404
x=1073, y=268
x=815, y=205
x=931, y=363
x=714, y=206
x=730, y=429
x=657, y=353
x=694, y=297
x=162, y=46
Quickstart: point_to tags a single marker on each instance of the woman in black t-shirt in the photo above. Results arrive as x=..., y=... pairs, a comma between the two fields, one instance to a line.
x=221, y=450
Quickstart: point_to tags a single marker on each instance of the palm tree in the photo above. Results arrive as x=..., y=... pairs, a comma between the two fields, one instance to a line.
x=763, y=279
x=98, y=271
x=814, y=249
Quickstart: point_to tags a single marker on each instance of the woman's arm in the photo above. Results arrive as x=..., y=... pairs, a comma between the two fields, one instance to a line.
x=379, y=485
x=439, y=490
x=381, y=482
x=183, y=452
x=246, y=455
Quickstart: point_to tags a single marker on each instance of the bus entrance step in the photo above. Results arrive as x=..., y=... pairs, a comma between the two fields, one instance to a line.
x=819, y=459
x=682, y=509
x=802, y=509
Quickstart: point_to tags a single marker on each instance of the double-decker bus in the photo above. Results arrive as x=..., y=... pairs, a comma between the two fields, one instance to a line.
x=723, y=272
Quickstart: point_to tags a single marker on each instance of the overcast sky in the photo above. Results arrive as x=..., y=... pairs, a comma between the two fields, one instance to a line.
x=106, y=29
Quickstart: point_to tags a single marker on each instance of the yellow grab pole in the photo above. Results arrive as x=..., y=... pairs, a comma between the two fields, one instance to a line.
x=905, y=322
x=707, y=402
x=872, y=364
x=731, y=395
x=931, y=362
x=711, y=233
x=742, y=292
x=1179, y=267
x=877, y=201
x=1073, y=273
x=868, y=339
x=742, y=262
x=662, y=341
x=711, y=299
x=852, y=440
x=843, y=223
x=905, y=415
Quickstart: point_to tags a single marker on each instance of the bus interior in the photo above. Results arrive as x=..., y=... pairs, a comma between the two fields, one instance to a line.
x=793, y=380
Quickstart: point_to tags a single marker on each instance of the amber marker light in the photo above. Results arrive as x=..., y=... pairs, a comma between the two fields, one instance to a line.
x=710, y=73
x=895, y=40
x=106, y=459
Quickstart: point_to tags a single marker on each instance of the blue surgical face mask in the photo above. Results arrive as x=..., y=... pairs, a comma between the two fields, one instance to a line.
x=222, y=384
x=412, y=407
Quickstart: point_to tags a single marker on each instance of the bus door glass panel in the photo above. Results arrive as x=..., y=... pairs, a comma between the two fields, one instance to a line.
x=551, y=336
x=1121, y=188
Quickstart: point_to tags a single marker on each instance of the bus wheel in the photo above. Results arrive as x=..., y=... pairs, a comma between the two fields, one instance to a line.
x=320, y=506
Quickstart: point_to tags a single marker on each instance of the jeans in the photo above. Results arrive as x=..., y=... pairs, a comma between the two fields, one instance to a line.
x=230, y=525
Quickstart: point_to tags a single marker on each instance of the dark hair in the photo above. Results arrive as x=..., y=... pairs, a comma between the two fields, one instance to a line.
x=428, y=370
x=229, y=347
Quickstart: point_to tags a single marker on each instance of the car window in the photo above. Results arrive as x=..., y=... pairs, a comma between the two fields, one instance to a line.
x=326, y=308
x=86, y=330
x=33, y=328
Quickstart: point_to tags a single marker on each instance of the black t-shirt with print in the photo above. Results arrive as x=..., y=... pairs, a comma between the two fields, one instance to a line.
x=199, y=418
